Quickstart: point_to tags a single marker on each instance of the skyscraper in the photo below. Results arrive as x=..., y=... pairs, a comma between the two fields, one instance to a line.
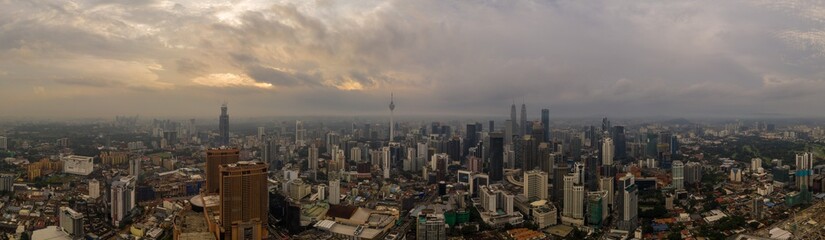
x=535, y=185
x=514, y=121
x=134, y=167
x=678, y=175
x=224, y=126
x=523, y=122
x=335, y=191
x=629, y=207
x=312, y=158
x=620, y=143
x=244, y=200
x=471, y=139
x=385, y=161
x=122, y=199
x=215, y=158
x=300, y=134
x=392, y=123
x=545, y=122
x=608, y=150
x=496, y=171
x=804, y=164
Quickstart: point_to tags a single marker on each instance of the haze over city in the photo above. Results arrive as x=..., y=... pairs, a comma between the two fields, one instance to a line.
x=78, y=59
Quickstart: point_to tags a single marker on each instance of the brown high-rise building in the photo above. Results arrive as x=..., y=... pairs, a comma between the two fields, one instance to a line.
x=244, y=207
x=214, y=158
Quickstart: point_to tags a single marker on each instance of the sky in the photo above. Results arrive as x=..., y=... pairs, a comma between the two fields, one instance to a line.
x=439, y=57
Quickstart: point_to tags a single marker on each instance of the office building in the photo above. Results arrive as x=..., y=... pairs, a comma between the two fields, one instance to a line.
x=545, y=123
x=629, y=207
x=619, y=143
x=4, y=143
x=678, y=175
x=78, y=165
x=244, y=207
x=392, y=122
x=608, y=149
x=71, y=222
x=514, y=123
x=573, y=209
x=223, y=128
x=535, y=185
x=261, y=133
x=122, y=199
x=214, y=158
x=431, y=227
x=524, y=128
x=496, y=169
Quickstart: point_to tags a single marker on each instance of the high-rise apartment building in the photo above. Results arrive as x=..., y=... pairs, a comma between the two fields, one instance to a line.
x=244, y=200
x=535, y=185
x=214, y=158
x=122, y=199
x=94, y=189
x=678, y=175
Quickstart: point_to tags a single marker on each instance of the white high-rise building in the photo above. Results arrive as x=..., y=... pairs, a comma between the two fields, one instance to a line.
x=411, y=160
x=422, y=153
x=79, y=165
x=322, y=192
x=678, y=172
x=334, y=191
x=578, y=202
x=535, y=185
x=355, y=154
x=72, y=222
x=608, y=151
x=756, y=166
x=94, y=189
x=122, y=199
x=4, y=143
x=260, y=133
x=385, y=161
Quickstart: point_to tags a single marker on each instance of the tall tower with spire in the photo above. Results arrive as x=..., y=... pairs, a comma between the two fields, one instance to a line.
x=223, y=127
x=513, y=119
x=523, y=122
x=392, y=123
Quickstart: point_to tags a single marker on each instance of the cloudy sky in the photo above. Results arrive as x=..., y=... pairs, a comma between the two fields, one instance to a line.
x=323, y=57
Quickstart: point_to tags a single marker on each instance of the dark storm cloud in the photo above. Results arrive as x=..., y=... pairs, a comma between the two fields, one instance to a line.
x=581, y=58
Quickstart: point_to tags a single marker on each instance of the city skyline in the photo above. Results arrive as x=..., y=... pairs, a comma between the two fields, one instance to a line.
x=298, y=58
